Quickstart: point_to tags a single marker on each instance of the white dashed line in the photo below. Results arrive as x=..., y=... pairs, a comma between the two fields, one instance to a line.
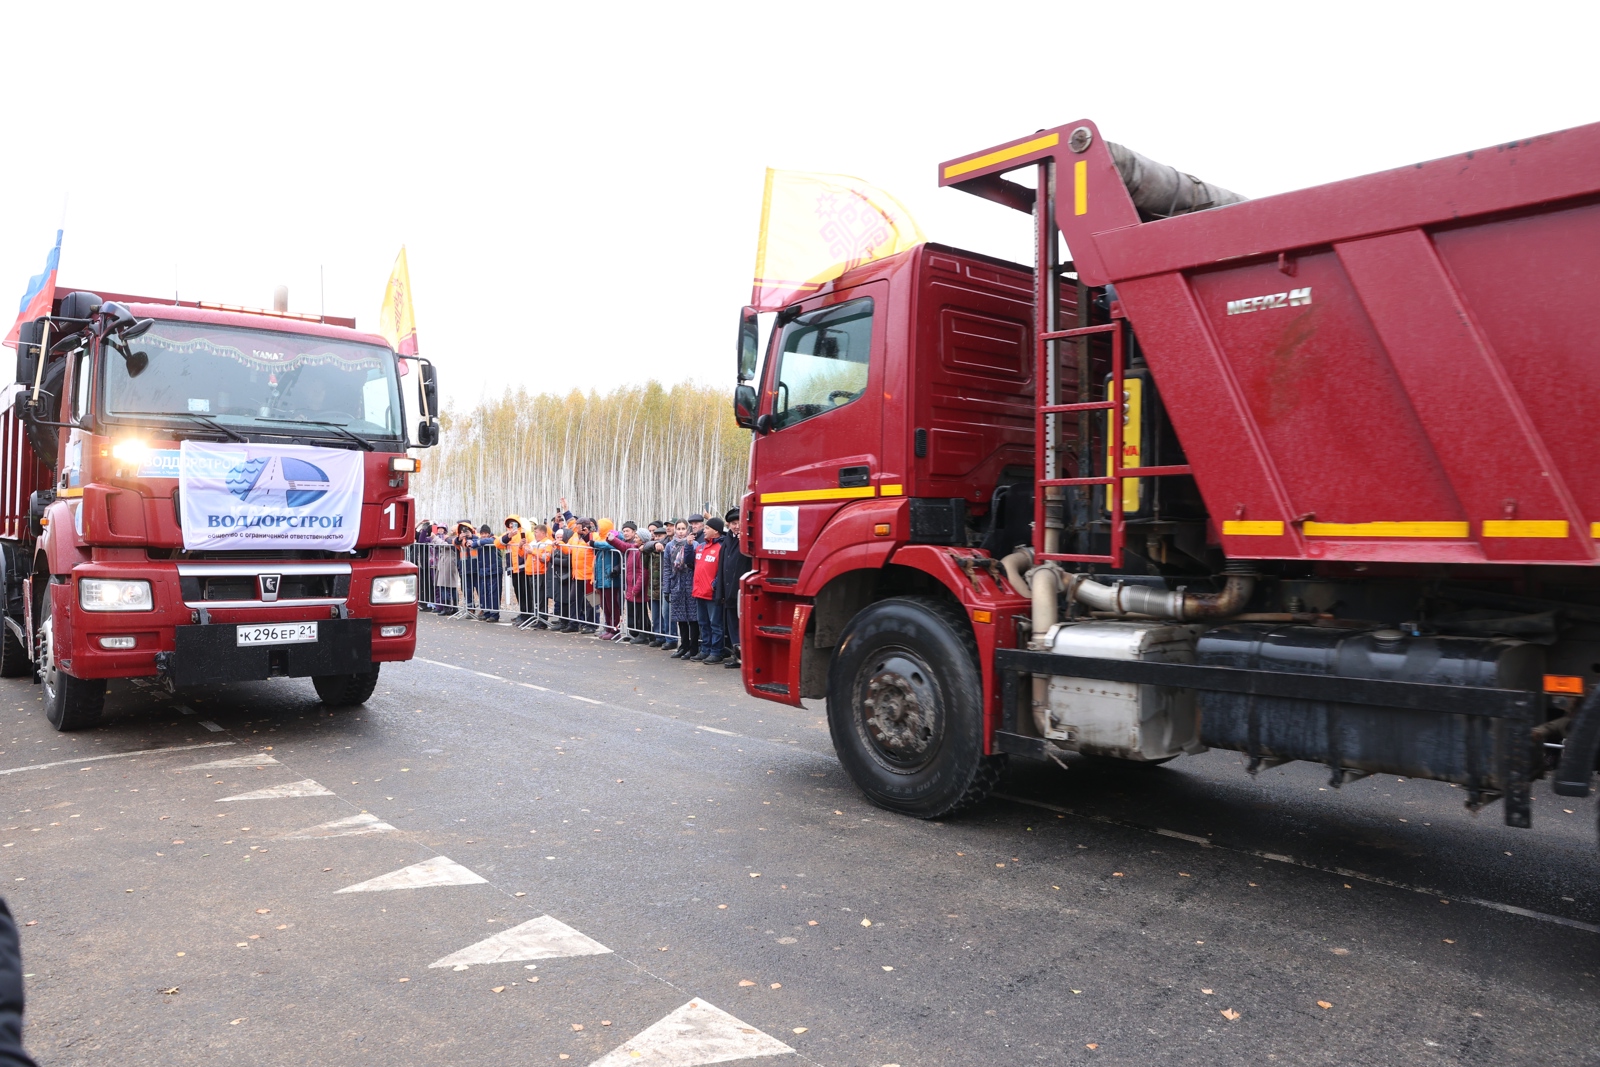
x=530, y=685
x=586, y=700
x=439, y=663
x=714, y=730
x=1343, y=872
x=116, y=755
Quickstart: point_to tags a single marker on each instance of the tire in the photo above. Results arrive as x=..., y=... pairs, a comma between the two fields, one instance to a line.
x=69, y=703
x=345, y=690
x=905, y=708
x=14, y=661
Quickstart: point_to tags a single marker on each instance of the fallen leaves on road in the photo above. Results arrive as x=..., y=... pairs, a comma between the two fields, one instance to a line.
x=1229, y=1014
x=31, y=922
x=535, y=978
x=1091, y=1046
x=1448, y=941
x=402, y=979
x=577, y=1026
x=1340, y=951
x=498, y=989
x=755, y=874
x=1208, y=992
x=1324, y=1005
x=800, y=1029
x=236, y=1022
x=888, y=968
x=263, y=911
x=777, y=985
x=283, y=926
x=169, y=992
x=745, y=982
x=811, y=922
x=866, y=922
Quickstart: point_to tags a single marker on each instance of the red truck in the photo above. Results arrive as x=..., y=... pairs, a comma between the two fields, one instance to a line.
x=204, y=494
x=1306, y=477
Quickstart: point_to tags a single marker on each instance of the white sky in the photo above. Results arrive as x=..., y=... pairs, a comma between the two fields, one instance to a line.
x=579, y=189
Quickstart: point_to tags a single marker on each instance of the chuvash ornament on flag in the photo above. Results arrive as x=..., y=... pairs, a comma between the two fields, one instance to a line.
x=815, y=227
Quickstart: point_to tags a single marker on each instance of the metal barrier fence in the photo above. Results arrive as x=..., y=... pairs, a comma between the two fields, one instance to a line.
x=580, y=589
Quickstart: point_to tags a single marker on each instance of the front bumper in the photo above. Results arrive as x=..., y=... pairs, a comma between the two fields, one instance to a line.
x=210, y=654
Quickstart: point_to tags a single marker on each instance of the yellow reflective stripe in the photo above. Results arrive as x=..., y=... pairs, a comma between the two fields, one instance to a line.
x=1594, y=529
x=805, y=495
x=1080, y=187
x=71, y=494
x=1252, y=528
x=1388, y=529
x=1524, y=528
x=966, y=166
x=892, y=490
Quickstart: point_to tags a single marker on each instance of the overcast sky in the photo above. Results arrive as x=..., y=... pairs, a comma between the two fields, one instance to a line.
x=579, y=189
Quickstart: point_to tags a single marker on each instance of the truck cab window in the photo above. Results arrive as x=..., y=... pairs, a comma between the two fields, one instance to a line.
x=822, y=363
x=80, y=386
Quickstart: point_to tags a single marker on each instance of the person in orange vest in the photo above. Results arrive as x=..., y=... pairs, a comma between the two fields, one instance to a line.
x=582, y=556
x=540, y=550
x=517, y=543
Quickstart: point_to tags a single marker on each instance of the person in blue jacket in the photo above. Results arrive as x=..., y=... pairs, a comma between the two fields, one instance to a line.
x=491, y=574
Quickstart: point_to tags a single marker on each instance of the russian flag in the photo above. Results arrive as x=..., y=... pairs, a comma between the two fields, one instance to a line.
x=40, y=295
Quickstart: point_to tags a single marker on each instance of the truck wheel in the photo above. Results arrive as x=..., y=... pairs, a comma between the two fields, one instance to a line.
x=905, y=708
x=14, y=661
x=69, y=703
x=345, y=690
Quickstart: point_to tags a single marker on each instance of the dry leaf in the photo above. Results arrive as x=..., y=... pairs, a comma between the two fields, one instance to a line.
x=811, y=922
x=402, y=979
x=777, y=985
x=1229, y=1014
x=534, y=979
x=577, y=1026
x=1447, y=940
x=236, y=1022
x=263, y=911
x=283, y=926
x=1208, y=992
x=1116, y=874
x=1183, y=874
x=722, y=907
x=745, y=982
x=800, y=1029
x=519, y=894
x=607, y=1022
x=1091, y=1045
x=866, y=922
x=754, y=874
x=1324, y=1004
x=1340, y=951
x=31, y=922
x=169, y=992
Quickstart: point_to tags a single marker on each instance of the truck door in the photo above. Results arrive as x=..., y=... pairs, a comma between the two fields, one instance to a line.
x=823, y=391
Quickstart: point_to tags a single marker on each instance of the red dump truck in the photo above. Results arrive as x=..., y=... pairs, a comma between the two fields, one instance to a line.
x=1307, y=477
x=204, y=494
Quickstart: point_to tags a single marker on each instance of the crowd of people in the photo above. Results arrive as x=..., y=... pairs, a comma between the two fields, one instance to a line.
x=674, y=585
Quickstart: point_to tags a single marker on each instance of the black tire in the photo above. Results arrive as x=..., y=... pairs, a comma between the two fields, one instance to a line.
x=905, y=708
x=14, y=661
x=345, y=690
x=69, y=703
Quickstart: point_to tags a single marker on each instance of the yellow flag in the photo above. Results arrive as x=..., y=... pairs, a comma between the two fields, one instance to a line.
x=397, y=321
x=814, y=227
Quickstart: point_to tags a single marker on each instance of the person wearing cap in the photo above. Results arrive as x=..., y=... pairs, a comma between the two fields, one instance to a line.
x=491, y=575
x=634, y=585
x=559, y=576
x=464, y=540
x=706, y=558
x=660, y=595
x=730, y=569
x=517, y=543
x=697, y=527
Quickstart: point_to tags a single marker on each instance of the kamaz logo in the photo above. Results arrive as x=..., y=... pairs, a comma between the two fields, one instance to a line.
x=1293, y=298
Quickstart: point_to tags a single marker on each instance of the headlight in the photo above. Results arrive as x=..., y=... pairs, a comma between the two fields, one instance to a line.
x=130, y=450
x=396, y=589
x=114, y=594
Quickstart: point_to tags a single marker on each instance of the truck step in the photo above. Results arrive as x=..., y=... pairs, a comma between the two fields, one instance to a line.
x=780, y=581
x=775, y=688
x=775, y=631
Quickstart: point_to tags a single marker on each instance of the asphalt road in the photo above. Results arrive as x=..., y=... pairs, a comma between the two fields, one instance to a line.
x=644, y=837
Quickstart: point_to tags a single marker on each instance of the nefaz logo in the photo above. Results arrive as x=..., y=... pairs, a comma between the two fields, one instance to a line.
x=1293, y=298
x=279, y=481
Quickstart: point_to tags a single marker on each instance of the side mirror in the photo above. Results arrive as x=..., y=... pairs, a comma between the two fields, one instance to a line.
x=30, y=337
x=137, y=329
x=430, y=389
x=749, y=342
x=763, y=424
x=744, y=407
x=427, y=434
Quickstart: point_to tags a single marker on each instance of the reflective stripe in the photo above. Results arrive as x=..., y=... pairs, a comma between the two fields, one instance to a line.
x=1524, y=528
x=1252, y=528
x=989, y=159
x=1388, y=529
x=803, y=495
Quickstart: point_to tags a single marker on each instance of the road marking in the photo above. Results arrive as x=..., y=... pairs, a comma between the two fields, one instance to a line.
x=303, y=788
x=530, y=685
x=586, y=700
x=365, y=823
x=116, y=755
x=439, y=663
x=480, y=674
x=438, y=871
x=543, y=938
x=260, y=759
x=714, y=730
x=209, y=725
x=694, y=1034
x=1343, y=872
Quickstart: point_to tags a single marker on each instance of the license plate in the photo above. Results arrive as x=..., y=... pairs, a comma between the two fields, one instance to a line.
x=278, y=633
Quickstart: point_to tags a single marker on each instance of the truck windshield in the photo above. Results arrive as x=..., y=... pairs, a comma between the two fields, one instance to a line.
x=256, y=379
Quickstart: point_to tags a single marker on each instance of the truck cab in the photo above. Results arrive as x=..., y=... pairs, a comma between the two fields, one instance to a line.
x=205, y=494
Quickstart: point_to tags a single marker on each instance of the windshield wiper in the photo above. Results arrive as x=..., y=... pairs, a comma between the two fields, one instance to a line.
x=206, y=420
x=365, y=445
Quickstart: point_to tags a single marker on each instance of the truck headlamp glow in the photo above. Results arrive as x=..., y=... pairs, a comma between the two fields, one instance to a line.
x=395, y=589
x=115, y=594
x=131, y=450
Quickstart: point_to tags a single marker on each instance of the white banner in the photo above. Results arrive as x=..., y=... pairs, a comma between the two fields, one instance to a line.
x=262, y=496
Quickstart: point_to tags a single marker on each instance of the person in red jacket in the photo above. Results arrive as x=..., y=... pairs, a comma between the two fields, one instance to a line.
x=707, y=556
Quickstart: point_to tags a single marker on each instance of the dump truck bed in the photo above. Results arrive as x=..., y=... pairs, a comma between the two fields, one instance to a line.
x=1397, y=367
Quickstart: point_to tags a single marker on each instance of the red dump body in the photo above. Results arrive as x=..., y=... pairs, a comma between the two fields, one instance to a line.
x=1389, y=368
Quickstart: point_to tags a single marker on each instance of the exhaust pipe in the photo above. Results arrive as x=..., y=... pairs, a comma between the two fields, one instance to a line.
x=1124, y=599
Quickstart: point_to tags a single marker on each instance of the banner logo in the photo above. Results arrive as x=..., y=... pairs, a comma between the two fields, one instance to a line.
x=279, y=481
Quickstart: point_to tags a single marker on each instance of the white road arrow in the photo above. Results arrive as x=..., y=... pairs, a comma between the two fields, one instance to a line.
x=437, y=871
x=261, y=760
x=543, y=938
x=365, y=823
x=303, y=788
x=694, y=1034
